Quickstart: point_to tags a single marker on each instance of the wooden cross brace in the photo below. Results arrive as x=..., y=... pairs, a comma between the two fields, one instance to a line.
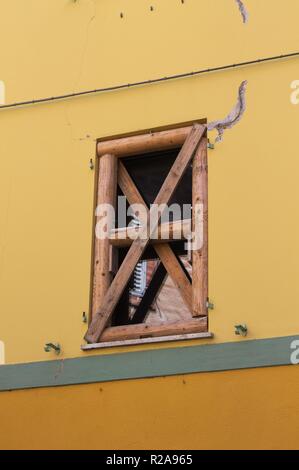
x=100, y=319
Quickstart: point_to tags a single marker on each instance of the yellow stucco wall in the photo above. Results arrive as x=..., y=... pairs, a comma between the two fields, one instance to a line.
x=46, y=186
x=250, y=409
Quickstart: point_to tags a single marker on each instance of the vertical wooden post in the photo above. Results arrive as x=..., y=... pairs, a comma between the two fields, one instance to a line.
x=200, y=231
x=107, y=186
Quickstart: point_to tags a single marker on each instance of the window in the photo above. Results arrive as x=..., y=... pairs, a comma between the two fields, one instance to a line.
x=150, y=280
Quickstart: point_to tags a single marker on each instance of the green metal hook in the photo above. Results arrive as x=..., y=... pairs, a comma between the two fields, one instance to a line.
x=52, y=347
x=241, y=330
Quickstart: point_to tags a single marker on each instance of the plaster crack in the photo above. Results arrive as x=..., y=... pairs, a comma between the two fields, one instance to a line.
x=233, y=117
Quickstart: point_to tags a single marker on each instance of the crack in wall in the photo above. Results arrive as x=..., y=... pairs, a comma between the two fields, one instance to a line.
x=233, y=117
x=91, y=19
x=243, y=10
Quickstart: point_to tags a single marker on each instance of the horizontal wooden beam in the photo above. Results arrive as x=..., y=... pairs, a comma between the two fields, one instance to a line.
x=140, y=144
x=177, y=230
x=118, y=333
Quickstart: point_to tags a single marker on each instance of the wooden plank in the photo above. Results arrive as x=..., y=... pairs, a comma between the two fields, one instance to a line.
x=150, y=142
x=120, y=314
x=144, y=330
x=131, y=192
x=176, y=272
x=139, y=245
x=152, y=362
x=150, y=294
x=177, y=230
x=165, y=253
x=200, y=231
x=107, y=185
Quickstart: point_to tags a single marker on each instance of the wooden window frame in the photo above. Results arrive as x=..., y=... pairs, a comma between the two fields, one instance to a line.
x=106, y=289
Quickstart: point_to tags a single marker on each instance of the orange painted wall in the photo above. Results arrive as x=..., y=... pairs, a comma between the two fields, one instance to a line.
x=252, y=409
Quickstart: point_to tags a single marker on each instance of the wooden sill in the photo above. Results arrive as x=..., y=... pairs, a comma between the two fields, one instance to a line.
x=136, y=342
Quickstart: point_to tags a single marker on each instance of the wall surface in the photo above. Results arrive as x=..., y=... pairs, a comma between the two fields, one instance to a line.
x=52, y=47
x=250, y=409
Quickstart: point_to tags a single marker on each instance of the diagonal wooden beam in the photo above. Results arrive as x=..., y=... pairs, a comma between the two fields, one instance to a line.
x=164, y=251
x=167, y=232
x=144, y=143
x=139, y=245
x=107, y=187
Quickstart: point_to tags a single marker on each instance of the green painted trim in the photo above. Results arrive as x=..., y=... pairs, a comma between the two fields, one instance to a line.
x=144, y=364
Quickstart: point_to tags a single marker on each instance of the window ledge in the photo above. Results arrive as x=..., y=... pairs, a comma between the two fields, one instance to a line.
x=136, y=342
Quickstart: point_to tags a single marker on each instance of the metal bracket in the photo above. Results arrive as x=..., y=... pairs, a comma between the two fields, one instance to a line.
x=241, y=330
x=52, y=347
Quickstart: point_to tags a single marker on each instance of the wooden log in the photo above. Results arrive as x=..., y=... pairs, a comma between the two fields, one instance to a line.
x=200, y=231
x=177, y=230
x=150, y=295
x=141, y=144
x=166, y=255
x=107, y=185
x=150, y=331
x=131, y=192
x=136, y=250
x=176, y=272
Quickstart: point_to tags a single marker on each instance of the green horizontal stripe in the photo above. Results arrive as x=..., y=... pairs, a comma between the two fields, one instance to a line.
x=153, y=363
